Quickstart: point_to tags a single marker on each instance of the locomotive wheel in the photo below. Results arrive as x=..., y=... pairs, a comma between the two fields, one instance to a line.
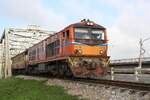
x=61, y=71
x=68, y=72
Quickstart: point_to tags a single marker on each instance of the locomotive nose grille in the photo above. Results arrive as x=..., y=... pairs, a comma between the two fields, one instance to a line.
x=89, y=65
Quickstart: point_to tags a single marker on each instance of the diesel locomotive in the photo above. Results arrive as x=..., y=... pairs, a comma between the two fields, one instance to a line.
x=78, y=50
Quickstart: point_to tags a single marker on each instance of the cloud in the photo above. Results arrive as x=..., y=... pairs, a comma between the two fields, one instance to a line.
x=76, y=10
x=126, y=20
x=132, y=24
x=31, y=12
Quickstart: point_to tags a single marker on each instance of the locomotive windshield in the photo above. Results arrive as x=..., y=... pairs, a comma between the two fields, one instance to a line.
x=86, y=33
x=97, y=34
x=89, y=35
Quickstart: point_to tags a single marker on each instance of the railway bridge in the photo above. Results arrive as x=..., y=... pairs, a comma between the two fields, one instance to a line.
x=16, y=40
x=129, y=65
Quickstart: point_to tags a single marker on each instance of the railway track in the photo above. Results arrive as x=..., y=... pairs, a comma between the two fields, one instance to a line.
x=123, y=84
x=96, y=89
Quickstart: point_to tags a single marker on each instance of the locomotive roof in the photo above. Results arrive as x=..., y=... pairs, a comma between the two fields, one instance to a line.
x=86, y=24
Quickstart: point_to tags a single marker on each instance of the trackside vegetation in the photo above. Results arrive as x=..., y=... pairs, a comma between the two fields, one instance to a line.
x=19, y=89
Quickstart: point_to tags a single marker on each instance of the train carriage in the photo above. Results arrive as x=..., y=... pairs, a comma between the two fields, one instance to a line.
x=37, y=58
x=19, y=62
x=78, y=50
x=37, y=53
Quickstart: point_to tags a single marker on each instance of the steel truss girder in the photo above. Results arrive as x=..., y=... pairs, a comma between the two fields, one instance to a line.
x=16, y=40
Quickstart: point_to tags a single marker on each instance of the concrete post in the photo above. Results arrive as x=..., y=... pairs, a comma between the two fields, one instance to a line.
x=3, y=59
x=112, y=70
x=112, y=73
x=7, y=72
x=1, y=54
x=140, y=57
x=0, y=70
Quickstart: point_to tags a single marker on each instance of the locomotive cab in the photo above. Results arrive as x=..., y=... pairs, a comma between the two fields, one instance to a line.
x=89, y=41
x=87, y=49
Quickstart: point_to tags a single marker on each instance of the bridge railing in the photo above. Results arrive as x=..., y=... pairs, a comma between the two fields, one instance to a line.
x=131, y=60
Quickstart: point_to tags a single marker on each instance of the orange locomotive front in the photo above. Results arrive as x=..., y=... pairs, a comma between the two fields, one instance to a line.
x=85, y=44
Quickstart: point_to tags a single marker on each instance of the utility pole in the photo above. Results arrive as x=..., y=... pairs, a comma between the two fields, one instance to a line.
x=142, y=51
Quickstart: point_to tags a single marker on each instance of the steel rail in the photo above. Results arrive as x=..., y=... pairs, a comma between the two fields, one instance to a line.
x=121, y=84
x=124, y=84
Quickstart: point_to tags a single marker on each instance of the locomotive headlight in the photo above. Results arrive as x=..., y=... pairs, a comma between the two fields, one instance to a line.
x=91, y=23
x=78, y=51
x=101, y=52
x=88, y=23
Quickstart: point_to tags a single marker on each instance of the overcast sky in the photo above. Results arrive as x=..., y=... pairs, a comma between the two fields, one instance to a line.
x=126, y=20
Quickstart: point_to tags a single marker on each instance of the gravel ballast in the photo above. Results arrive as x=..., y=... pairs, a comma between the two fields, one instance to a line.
x=88, y=91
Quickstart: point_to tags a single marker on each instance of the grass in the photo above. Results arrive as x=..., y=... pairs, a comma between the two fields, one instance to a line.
x=19, y=89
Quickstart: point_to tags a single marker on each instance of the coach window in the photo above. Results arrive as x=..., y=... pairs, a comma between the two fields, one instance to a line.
x=30, y=55
x=63, y=34
x=43, y=48
x=67, y=34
